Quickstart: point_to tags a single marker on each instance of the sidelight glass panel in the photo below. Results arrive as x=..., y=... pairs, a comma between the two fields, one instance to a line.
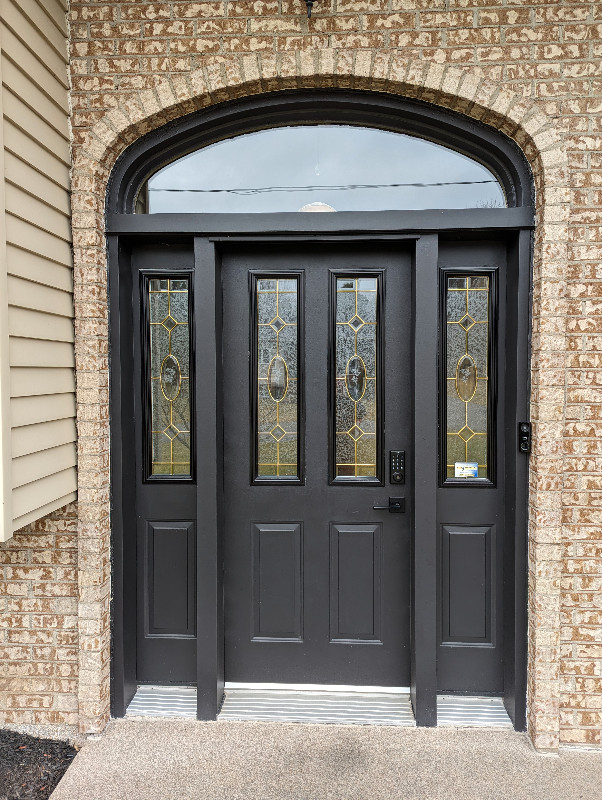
x=468, y=336
x=356, y=355
x=169, y=363
x=276, y=369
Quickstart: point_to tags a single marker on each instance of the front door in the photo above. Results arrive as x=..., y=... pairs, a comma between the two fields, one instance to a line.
x=356, y=397
x=317, y=348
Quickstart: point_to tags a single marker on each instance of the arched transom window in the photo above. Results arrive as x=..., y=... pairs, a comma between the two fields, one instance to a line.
x=320, y=168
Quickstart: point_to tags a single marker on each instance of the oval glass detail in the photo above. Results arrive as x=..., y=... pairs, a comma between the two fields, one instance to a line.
x=355, y=378
x=277, y=379
x=466, y=378
x=170, y=377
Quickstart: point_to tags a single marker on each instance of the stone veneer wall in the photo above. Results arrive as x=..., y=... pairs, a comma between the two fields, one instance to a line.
x=38, y=624
x=532, y=69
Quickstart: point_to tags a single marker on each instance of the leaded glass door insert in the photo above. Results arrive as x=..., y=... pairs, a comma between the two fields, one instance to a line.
x=468, y=322
x=357, y=394
x=277, y=394
x=168, y=371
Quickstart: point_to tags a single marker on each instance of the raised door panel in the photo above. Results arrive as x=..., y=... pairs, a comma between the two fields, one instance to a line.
x=277, y=581
x=468, y=583
x=170, y=578
x=355, y=582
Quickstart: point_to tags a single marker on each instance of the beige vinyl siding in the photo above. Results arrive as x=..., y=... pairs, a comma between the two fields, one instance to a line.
x=37, y=258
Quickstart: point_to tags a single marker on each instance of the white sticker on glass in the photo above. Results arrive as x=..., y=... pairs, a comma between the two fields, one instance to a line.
x=466, y=469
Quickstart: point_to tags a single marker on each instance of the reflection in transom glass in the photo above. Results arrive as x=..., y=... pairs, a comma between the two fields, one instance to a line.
x=277, y=377
x=347, y=168
x=356, y=320
x=169, y=375
x=467, y=376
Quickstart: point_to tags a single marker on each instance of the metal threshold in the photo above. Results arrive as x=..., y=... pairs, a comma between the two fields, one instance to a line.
x=472, y=712
x=312, y=703
x=320, y=704
x=163, y=701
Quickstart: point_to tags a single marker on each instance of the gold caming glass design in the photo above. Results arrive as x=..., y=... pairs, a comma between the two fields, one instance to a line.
x=467, y=308
x=355, y=396
x=170, y=376
x=277, y=373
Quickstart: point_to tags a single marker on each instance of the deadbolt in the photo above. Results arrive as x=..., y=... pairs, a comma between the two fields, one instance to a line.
x=397, y=466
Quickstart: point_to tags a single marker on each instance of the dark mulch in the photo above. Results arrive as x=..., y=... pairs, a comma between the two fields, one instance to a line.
x=31, y=767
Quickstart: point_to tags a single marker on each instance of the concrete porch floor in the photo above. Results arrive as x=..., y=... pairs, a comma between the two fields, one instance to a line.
x=180, y=759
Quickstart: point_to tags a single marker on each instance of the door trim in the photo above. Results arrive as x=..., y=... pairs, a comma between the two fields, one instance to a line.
x=301, y=106
x=209, y=457
x=124, y=229
x=423, y=604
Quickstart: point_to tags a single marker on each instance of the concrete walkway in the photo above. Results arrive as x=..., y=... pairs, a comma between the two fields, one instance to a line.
x=158, y=759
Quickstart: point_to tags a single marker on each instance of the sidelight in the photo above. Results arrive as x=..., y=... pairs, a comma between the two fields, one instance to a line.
x=468, y=341
x=169, y=371
x=276, y=378
x=356, y=394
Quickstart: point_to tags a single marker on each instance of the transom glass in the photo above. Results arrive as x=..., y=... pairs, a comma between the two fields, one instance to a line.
x=320, y=168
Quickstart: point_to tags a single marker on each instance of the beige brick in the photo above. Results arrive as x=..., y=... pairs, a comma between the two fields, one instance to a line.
x=527, y=69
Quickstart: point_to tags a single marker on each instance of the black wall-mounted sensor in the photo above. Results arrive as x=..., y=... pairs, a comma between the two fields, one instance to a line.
x=524, y=437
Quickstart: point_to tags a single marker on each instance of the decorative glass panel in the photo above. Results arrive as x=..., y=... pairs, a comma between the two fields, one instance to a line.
x=254, y=173
x=168, y=300
x=277, y=378
x=356, y=343
x=468, y=337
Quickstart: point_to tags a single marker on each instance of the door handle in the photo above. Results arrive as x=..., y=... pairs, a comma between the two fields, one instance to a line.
x=397, y=505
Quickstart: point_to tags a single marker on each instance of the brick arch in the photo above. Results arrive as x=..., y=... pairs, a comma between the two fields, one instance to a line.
x=220, y=79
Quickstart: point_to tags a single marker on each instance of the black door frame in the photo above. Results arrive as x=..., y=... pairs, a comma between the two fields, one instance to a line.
x=206, y=233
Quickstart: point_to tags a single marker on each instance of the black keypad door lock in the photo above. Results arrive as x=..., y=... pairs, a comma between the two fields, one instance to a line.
x=524, y=437
x=397, y=466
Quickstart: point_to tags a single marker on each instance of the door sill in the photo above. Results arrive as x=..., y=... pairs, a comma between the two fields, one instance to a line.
x=317, y=704
x=472, y=711
x=163, y=701
x=316, y=687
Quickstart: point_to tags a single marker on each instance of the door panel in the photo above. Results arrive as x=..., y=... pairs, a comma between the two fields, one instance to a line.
x=470, y=510
x=169, y=574
x=165, y=486
x=355, y=582
x=277, y=581
x=310, y=566
x=468, y=582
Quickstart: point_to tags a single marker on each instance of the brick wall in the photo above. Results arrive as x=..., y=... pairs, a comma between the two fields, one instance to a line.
x=38, y=623
x=533, y=69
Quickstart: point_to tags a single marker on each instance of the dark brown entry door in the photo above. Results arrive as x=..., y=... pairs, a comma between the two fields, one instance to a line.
x=317, y=392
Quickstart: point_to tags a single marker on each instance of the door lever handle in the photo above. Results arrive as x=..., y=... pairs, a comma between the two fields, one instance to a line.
x=397, y=505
